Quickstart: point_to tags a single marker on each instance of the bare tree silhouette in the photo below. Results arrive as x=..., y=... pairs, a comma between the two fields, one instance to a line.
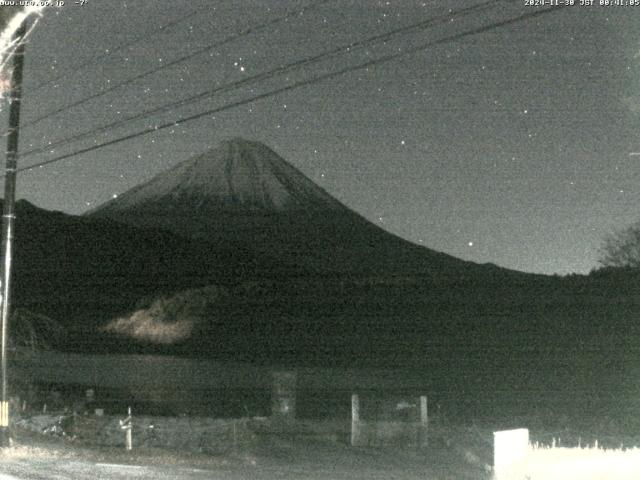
x=621, y=248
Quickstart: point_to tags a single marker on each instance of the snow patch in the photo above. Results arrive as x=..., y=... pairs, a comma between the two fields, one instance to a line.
x=166, y=320
x=238, y=175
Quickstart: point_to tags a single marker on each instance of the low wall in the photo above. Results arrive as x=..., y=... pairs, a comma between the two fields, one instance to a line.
x=194, y=434
x=216, y=435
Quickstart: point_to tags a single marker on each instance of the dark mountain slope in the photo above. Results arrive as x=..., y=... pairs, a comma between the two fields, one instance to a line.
x=82, y=271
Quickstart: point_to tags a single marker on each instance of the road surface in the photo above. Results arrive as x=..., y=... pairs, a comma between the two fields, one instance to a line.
x=63, y=469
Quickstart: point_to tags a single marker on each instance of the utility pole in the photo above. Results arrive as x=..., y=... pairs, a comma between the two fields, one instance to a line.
x=8, y=217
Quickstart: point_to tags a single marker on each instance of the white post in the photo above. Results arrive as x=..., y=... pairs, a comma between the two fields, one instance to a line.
x=127, y=426
x=355, y=420
x=129, y=440
x=424, y=422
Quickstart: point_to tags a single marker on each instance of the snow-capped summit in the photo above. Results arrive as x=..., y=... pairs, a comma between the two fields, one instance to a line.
x=239, y=175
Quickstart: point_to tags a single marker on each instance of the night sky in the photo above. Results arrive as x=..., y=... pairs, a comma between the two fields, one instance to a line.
x=518, y=145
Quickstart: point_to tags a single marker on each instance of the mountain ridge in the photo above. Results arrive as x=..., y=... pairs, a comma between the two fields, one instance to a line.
x=243, y=193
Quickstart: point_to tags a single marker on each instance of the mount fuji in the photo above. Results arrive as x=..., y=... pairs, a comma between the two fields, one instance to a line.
x=243, y=193
x=238, y=177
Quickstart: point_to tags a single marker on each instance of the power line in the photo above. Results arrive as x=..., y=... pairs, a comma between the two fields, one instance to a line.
x=302, y=83
x=119, y=47
x=271, y=73
x=129, y=81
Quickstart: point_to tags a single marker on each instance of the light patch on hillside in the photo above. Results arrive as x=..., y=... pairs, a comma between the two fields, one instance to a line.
x=143, y=326
x=166, y=320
